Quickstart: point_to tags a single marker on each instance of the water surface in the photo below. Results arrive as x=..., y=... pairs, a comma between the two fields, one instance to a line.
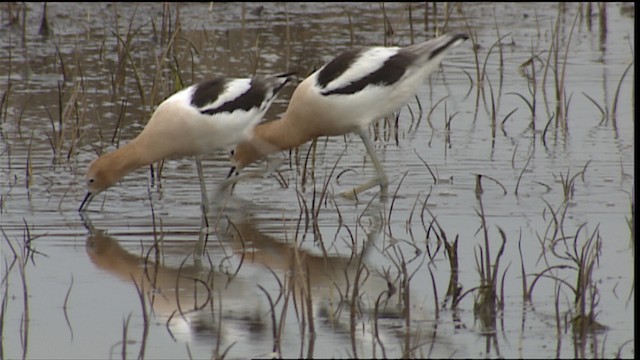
x=122, y=280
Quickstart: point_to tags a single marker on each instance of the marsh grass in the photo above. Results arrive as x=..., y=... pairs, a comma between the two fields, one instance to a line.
x=488, y=300
x=3, y=305
x=454, y=288
x=217, y=353
x=564, y=255
x=569, y=258
x=276, y=339
x=568, y=183
x=24, y=254
x=4, y=102
x=145, y=319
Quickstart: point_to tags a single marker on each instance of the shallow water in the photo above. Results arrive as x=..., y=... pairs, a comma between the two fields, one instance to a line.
x=75, y=287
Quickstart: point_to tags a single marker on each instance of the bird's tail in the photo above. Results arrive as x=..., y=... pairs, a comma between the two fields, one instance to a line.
x=282, y=79
x=434, y=47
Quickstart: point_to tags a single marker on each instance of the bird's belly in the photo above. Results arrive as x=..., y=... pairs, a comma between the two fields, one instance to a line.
x=198, y=135
x=345, y=114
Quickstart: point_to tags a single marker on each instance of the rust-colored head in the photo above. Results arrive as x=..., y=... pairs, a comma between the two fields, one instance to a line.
x=102, y=174
x=245, y=154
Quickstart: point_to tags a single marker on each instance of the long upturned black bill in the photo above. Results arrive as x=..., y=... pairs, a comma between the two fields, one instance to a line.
x=86, y=201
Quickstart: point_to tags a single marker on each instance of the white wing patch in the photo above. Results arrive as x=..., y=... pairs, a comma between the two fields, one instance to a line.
x=368, y=62
x=232, y=91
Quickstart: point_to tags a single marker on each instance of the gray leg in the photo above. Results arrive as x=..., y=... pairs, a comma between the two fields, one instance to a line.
x=380, y=179
x=204, y=224
x=203, y=188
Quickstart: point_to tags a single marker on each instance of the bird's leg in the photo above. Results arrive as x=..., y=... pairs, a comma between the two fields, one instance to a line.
x=380, y=179
x=204, y=223
x=203, y=190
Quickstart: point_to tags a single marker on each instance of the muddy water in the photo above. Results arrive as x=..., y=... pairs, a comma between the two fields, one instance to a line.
x=122, y=280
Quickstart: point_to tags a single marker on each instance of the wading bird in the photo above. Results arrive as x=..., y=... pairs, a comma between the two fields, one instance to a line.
x=344, y=96
x=198, y=120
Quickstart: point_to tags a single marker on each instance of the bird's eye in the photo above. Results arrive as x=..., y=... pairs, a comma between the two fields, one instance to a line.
x=90, y=181
x=232, y=152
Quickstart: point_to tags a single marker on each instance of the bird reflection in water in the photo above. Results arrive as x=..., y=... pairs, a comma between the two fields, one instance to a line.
x=339, y=293
x=185, y=296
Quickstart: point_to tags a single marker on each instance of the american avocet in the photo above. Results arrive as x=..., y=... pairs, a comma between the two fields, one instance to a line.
x=356, y=88
x=198, y=120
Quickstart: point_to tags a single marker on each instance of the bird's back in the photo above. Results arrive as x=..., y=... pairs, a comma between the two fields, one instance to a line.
x=210, y=116
x=365, y=84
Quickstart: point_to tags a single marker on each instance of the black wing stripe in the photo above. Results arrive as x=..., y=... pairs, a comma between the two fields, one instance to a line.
x=207, y=92
x=252, y=98
x=389, y=73
x=338, y=66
